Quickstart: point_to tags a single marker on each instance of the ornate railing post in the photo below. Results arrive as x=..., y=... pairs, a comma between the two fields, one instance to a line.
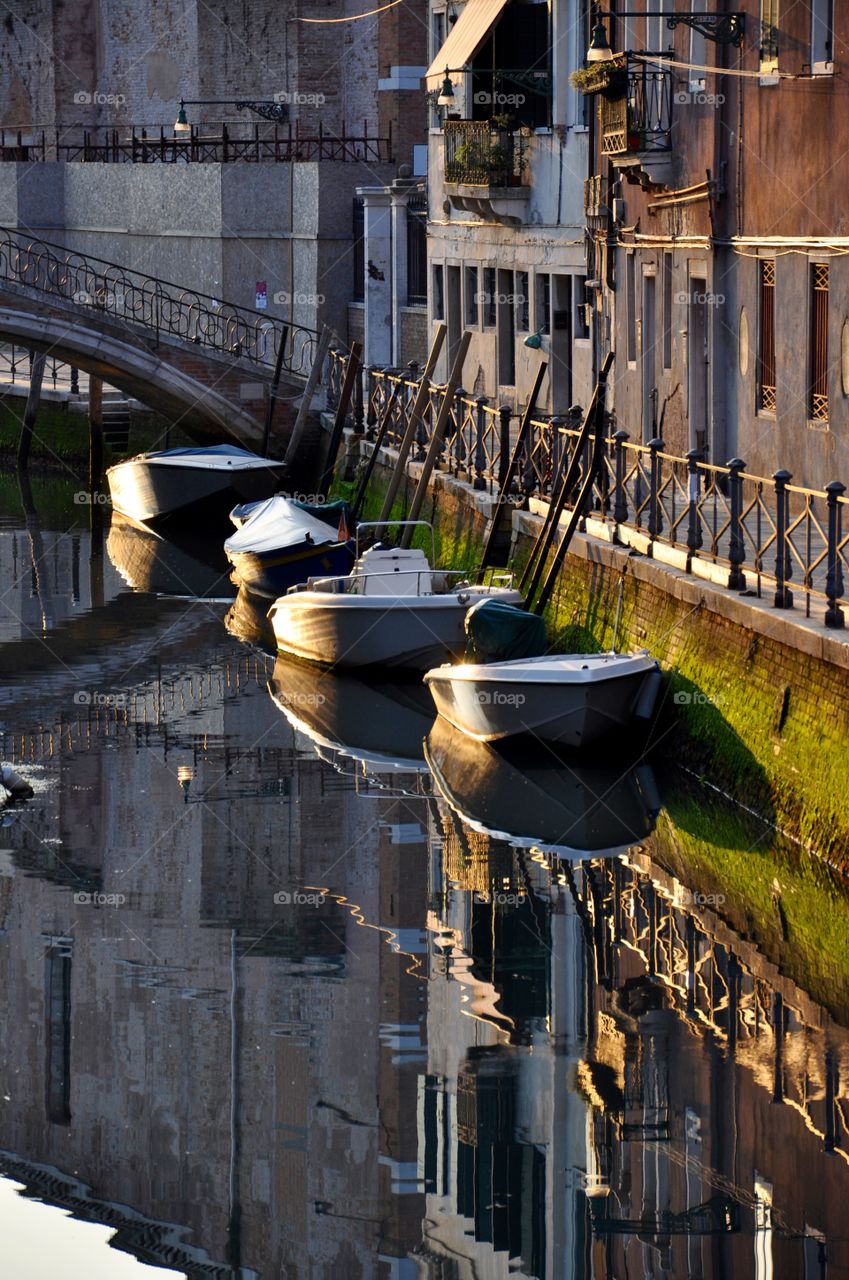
x=504, y=415
x=359, y=414
x=421, y=429
x=655, y=522
x=834, y=577
x=371, y=413
x=694, y=524
x=480, y=431
x=783, y=568
x=736, y=542
x=620, y=495
x=555, y=428
x=457, y=445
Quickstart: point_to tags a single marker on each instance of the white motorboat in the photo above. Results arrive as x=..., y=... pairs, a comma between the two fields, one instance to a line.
x=569, y=699
x=180, y=484
x=392, y=610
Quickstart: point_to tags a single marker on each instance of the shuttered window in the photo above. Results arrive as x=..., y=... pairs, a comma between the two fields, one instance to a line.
x=766, y=339
x=818, y=354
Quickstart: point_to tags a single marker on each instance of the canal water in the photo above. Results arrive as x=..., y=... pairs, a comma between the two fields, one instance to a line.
x=284, y=992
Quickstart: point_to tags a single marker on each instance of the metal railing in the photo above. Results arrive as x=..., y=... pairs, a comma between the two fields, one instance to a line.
x=16, y=367
x=128, y=296
x=761, y=534
x=481, y=155
x=641, y=119
x=215, y=143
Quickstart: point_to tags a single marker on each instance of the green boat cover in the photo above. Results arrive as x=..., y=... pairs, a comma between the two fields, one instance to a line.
x=498, y=632
x=329, y=512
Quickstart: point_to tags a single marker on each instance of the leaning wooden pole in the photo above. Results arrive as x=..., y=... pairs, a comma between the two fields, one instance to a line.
x=304, y=409
x=438, y=435
x=351, y=373
x=95, y=433
x=524, y=428
x=30, y=412
x=386, y=418
x=593, y=471
x=416, y=412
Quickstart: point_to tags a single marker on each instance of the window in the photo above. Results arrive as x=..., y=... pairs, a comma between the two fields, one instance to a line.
x=818, y=351
x=763, y=1229
x=769, y=41
x=438, y=292
x=544, y=304
x=766, y=336
x=658, y=35
x=698, y=53
x=489, y=297
x=522, y=301
x=822, y=36
x=358, y=291
x=506, y=331
x=417, y=251
x=582, y=308
x=631, y=304
x=471, y=297
x=666, y=302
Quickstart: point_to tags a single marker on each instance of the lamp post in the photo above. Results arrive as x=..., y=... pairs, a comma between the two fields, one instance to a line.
x=277, y=112
x=721, y=28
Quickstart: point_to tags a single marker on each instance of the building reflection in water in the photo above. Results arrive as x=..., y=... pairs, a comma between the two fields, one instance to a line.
x=267, y=1011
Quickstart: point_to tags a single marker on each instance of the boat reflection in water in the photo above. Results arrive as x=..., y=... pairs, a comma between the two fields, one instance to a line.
x=247, y=620
x=519, y=792
x=189, y=565
x=380, y=723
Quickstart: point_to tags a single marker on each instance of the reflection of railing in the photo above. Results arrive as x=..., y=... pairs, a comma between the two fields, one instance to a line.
x=130, y=297
x=766, y=532
x=480, y=155
x=640, y=120
x=210, y=143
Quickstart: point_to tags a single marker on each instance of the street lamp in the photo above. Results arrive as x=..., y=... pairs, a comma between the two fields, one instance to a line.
x=721, y=28
x=446, y=93
x=278, y=112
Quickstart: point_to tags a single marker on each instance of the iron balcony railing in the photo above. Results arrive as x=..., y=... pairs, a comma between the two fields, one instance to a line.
x=640, y=118
x=761, y=534
x=129, y=297
x=479, y=154
x=214, y=143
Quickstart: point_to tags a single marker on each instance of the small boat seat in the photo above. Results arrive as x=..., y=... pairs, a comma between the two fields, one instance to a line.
x=389, y=571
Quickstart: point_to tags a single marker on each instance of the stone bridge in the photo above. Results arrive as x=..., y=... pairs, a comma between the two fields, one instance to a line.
x=206, y=365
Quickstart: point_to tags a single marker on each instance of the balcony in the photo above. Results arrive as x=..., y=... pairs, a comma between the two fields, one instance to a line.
x=486, y=169
x=635, y=119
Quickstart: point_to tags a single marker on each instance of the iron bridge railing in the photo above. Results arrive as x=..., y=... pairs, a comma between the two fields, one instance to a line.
x=760, y=534
x=129, y=296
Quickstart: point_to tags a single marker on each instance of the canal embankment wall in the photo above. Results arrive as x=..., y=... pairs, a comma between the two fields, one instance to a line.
x=755, y=700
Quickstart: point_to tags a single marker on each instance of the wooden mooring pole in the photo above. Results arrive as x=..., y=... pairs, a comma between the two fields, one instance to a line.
x=31, y=410
x=95, y=432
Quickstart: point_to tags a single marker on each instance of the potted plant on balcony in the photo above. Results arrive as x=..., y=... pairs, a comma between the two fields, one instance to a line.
x=607, y=78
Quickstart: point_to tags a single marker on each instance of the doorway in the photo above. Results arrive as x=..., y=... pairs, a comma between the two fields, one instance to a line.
x=648, y=359
x=453, y=312
x=697, y=365
x=560, y=367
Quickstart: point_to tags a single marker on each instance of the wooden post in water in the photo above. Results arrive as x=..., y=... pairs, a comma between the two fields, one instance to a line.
x=306, y=401
x=95, y=432
x=438, y=434
x=35, y=380
x=413, y=421
x=351, y=373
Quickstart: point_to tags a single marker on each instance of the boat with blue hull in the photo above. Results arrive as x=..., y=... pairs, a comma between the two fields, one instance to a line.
x=280, y=543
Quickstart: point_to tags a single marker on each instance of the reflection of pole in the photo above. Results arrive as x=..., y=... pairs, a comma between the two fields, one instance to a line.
x=234, y=1226
x=35, y=379
x=95, y=438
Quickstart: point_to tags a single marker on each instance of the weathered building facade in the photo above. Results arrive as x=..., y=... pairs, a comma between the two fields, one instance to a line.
x=507, y=158
x=717, y=232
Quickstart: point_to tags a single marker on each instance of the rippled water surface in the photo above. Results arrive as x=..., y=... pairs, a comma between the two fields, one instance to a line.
x=287, y=991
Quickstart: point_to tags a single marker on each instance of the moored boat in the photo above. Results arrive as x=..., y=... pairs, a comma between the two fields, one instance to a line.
x=279, y=543
x=572, y=700
x=518, y=792
x=392, y=610
x=190, y=484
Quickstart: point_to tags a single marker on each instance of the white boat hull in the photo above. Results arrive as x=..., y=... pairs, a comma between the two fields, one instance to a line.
x=559, y=704
x=349, y=630
x=152, y=490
